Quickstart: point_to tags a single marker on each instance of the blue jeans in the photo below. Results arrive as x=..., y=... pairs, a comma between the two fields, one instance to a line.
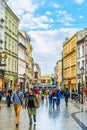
x=50, y=100
x=54, y=101
x=66, y=101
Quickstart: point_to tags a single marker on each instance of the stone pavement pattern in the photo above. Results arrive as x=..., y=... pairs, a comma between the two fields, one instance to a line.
x=47, y=119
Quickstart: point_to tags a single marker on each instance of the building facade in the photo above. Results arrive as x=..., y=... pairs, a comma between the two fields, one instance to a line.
x=46, y=80
x=37, y=74
x=29, y=58
x=21, y=58
x=11, y=47
x=2, y=55
x=58, y=73
x=69, y=57
x=82, y=60
x=70, y=60
x=25, y=59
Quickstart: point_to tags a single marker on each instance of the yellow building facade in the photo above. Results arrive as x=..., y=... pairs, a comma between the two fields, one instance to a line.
x=29, y=60
x=69, y=57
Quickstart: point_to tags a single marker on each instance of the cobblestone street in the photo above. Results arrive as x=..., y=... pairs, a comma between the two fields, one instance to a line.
x=47, y=119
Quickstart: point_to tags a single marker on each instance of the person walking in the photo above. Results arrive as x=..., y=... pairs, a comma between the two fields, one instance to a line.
x=0, y=97
x=58, y=98
x=67, y=95
x=46, y=94
x=17, y=99
x=8, y=100
x=29, y=103
x=54, y=97
x=50, y=97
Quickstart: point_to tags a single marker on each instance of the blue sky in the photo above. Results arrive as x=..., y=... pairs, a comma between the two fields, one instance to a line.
x=48, y=23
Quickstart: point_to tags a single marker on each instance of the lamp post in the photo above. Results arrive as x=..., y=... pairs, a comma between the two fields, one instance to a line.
x=82, y=72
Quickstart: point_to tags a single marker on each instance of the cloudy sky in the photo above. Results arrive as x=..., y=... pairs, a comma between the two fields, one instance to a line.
x=48, y=23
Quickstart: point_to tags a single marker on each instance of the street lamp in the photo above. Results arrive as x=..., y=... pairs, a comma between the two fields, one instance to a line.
x=82, y=72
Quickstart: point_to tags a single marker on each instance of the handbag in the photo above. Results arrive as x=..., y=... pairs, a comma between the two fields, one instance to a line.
x=36, y=102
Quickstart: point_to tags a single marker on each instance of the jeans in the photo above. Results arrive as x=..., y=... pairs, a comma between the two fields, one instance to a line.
x=50, y=100
x=66, y=101
x=54, y=101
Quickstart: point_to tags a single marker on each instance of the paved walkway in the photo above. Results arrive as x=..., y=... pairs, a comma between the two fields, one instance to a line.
x=63, y=118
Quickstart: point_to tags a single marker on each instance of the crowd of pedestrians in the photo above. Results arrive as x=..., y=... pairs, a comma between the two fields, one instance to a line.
x=52, y=95
x=31, y=98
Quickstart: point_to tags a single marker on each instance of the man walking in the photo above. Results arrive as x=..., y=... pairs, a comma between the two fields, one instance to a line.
x=17, y=99
x=29, y=103
x=67, y=95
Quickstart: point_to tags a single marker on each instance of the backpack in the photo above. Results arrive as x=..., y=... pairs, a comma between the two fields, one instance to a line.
x=67, y=93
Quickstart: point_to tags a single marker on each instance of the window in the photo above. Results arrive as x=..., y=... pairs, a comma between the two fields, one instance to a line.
x=9, y=45
x=83, y=50
x=78, y=67
x=12, y=65
x=83, y=63
x=9, y=64
x=10, y=24
x=13, y=46
x=15, y=67
x=78, y=53
x=6, y=20
x=5, y=41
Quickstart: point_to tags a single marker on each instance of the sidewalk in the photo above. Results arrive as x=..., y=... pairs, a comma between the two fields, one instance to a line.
x=82, y=107
x=81, y=116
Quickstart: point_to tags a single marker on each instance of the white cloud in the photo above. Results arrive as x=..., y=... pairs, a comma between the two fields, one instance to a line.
x=79, y=1
x=81, y=17
x=48, y=13
x=56, y=5
x=47, y=46
x=29, y=21
x=19, y=7
x=65, y=17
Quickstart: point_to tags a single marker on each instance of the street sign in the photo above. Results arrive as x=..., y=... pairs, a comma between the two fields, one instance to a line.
x=79, y=76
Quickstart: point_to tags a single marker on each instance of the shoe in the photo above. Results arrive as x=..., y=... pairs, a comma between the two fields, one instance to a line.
x=30, y=123
x=17, y=124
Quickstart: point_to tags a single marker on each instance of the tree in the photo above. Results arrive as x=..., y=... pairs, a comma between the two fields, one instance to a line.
x=52, y=79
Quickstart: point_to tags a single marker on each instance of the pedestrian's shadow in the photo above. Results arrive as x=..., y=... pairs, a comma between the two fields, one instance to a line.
x=32, y=127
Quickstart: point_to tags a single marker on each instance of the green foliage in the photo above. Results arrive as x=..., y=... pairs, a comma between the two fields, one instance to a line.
x=52, y=79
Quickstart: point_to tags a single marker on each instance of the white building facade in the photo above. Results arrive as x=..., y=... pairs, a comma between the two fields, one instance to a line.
x=21, y=58
x=2, y=18
x=81, y=58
